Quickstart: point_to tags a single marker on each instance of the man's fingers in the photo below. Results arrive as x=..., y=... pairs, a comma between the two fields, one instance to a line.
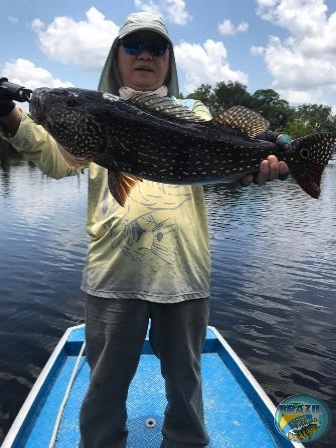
x=273, y=168
x=262, y=177
x=269, y=169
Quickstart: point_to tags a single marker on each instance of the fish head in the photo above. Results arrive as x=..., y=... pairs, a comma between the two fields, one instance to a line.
x=307, y=158
x=66, y=115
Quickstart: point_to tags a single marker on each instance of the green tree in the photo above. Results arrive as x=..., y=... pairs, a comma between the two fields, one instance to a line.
x=317, y=117
x=295, y=121
x=222, y=96
x=204, y=94
x=230, y=94
x=296, y=128
x=277, y=110
x=311, y=118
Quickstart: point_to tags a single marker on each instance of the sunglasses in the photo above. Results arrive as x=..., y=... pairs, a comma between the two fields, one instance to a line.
x=135, y=45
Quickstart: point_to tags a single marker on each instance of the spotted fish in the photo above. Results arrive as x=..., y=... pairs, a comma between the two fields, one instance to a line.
x=295, y=435
x=154, y=138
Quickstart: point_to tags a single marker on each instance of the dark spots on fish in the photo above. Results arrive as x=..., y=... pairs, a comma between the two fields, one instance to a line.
x=172, y=148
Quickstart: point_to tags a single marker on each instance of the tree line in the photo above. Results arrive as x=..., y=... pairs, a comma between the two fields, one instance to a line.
x=295, y=121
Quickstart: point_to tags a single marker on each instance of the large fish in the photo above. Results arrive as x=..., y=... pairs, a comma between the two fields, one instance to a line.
x=150, y=137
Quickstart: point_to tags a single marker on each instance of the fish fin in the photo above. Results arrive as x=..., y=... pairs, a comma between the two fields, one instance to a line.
x=246, y=120
x=314, y=153
x=74, y=161
x=164, y=106
x=309, y=179
x=121, y=185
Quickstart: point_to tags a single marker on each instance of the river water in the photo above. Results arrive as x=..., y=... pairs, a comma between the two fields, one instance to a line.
x=273, y=280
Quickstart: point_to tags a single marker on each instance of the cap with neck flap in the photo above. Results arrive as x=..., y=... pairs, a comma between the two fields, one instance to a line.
x=110, y=80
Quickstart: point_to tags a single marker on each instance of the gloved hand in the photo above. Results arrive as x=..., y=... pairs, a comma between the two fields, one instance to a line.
x=6, y=106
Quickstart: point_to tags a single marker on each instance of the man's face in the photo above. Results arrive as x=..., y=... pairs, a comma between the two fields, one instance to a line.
x=146, y=70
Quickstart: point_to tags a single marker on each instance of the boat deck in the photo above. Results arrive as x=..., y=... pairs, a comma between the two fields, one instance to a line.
x=237, y=412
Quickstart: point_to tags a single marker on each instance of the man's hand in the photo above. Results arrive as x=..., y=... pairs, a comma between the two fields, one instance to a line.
x=269, y=169
x=6, y=107
x=10, y=117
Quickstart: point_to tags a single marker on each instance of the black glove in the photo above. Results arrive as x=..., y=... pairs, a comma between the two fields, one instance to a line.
x=275, y=137
x=6, y=106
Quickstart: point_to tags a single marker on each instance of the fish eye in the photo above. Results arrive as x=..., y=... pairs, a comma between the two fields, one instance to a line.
x=304, y=153
x=71, y=102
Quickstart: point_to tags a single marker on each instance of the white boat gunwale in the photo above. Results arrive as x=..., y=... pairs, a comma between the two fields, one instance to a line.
x=41, y=382
x=265, y=407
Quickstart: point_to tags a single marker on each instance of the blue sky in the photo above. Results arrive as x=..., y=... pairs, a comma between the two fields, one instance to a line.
x=287, y=45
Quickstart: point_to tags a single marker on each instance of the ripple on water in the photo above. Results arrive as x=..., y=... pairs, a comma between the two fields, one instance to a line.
x=273, y=281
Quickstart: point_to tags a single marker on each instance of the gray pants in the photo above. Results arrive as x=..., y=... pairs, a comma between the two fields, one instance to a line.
x=115, y=332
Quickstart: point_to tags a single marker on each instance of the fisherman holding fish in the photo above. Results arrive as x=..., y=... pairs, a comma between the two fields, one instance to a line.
x=148, y=259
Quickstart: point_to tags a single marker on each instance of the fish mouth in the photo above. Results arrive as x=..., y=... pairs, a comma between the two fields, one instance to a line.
x=35, y=105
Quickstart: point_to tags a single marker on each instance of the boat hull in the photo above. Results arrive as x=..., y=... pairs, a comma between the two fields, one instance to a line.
x=238, y=413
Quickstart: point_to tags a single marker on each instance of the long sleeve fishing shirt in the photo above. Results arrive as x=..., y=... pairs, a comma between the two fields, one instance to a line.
x=155, y=248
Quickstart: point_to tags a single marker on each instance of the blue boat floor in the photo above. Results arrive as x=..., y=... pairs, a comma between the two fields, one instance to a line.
x=227, y=426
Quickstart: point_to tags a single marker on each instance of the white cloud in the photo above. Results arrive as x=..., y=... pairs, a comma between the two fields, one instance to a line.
x=257, y=51
x=92, y=38
x=84, y=44
x=303, y=64
x=37, y=25
x=297, y=16
x=302, y=96
x=205, y=64
x=227, y=28
x=26, y=73
x=148, y=6
x=174, y=10
x=13, y=20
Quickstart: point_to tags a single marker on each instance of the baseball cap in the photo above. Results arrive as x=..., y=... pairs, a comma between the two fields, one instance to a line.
x=144, y=21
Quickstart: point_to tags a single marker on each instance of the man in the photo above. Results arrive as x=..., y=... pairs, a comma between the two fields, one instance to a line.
x=147, y=260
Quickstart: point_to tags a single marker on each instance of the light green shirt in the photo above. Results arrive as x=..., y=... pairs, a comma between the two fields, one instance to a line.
x=155, y=248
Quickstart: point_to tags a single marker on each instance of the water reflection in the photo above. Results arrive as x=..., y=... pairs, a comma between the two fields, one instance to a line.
x=43, y=245
x=273, y=282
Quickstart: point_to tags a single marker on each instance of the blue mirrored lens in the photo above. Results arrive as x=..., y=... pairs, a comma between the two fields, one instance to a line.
x=134, y=46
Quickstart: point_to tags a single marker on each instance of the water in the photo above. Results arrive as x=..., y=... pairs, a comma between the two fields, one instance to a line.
x=273, y=280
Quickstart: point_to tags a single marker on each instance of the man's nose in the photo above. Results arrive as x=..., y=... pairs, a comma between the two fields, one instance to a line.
x=145, y=55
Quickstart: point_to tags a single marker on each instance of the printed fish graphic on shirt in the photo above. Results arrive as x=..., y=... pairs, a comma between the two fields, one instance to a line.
x=154, y=138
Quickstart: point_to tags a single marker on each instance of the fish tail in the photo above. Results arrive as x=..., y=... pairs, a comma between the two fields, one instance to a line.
x=312, y=154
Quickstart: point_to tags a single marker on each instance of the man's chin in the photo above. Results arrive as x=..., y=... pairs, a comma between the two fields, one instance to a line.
x=145, y=83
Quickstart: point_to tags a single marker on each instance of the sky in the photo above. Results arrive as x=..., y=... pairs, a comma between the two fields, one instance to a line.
x=285, y=45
